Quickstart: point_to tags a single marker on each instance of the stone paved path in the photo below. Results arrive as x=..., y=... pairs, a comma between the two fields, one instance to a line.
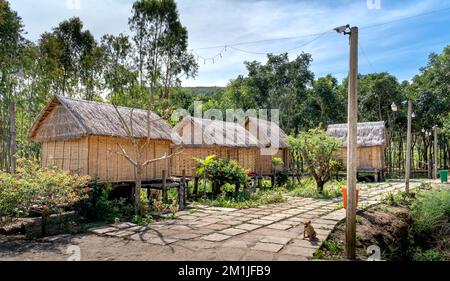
x=270, y=232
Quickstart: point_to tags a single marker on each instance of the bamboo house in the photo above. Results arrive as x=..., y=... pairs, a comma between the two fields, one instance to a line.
x=274, y=141
x=201, y=138
x=371, y=145
x=83, y=137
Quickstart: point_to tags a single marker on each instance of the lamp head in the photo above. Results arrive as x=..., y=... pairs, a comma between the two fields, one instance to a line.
x=394, y=107
x=342, y=29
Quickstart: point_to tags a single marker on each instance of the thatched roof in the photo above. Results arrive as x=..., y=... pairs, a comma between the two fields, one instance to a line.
x=267, y=132
x=369, y=134
x=198, y=132
x=66, y=118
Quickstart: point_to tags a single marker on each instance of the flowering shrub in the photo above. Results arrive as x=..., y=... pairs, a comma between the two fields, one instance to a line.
x=39, y=190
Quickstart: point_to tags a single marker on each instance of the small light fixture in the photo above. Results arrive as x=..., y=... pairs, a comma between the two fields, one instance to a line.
x=394, y=107
x=423, y=130
x=413, y=115
x=342, y=29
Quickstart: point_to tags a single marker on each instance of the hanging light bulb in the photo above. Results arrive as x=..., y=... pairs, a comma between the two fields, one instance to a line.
x=394, y=107
x=413, y=115
x=423, y=130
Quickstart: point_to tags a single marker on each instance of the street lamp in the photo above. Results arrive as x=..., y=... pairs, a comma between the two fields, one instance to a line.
x=352, y=138
x=411, y=115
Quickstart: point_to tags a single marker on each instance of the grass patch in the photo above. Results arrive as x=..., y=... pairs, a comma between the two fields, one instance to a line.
x=308, y=189
x=431, y=211
x=244, y=199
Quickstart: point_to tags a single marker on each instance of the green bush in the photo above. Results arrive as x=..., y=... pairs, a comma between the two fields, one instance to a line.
x=245, y=199
x=429, y=255
x=103, y=208
x=39, y=190
x=282, y=177
x=308, y=189
x=221, y=172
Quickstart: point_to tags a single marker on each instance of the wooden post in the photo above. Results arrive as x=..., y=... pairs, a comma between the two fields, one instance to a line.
x=408, y=148
x=350, y=235
x=195, y=186
x=237, y=188
x=182, y=192
x=164, y=186
x=435, y=164
x=260, y=179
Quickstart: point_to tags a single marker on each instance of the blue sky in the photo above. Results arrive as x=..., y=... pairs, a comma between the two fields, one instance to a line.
x=400, y=47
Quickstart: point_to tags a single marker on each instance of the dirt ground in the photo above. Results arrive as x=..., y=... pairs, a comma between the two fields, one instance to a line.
x=89, y=247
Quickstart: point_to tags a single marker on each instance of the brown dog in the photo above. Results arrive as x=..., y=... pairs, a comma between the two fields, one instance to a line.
x=309, y=231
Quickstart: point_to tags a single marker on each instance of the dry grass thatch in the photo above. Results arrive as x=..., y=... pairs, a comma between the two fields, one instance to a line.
x=267, y=132
x=203, y=132
x=66, y=118
x=369, y=134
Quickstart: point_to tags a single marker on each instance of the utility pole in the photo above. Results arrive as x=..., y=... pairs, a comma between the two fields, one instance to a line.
x=435, y=168
x=350, y=236
x=408, y=147
x=352, y=141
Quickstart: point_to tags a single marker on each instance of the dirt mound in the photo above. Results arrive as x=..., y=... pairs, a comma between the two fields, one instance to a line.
x=383, y=226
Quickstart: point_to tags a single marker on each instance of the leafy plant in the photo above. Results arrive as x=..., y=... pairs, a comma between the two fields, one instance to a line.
x=245, y=199
x=102, y=207
x=308, y=189
x=142, y=220
x=220, y=172
x=43, y=191
x=429, y=255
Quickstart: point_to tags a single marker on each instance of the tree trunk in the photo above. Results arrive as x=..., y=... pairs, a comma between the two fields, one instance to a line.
x=12, y=136
x=216, y=188
x=137, y=190
x=320, y=185
x=195, y=186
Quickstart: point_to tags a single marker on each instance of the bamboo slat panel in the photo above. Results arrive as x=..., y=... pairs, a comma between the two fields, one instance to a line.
x=107, y=166
x=367, y=157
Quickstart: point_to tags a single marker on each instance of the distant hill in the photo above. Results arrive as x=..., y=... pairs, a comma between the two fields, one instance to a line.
x=204, y=91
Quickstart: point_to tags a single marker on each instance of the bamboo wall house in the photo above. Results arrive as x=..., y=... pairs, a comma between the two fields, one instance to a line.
x=274, y=140
x=82, y=137
x=371, y=145
x=201, y=138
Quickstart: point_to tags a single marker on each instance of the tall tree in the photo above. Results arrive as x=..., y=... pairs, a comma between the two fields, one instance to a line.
x=11, y=42
x=161, y=46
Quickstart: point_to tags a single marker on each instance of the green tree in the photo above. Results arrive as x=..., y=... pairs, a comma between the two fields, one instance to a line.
x=161, y=46
x=326, y=105
x=318, y=150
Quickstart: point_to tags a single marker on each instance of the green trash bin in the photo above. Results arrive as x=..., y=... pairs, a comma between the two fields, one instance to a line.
x=444, y=175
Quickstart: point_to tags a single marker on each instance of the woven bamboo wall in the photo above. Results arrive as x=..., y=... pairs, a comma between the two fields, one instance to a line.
x=96, y=156
x=368, y=157
x=71, y=155
x=246, y=157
